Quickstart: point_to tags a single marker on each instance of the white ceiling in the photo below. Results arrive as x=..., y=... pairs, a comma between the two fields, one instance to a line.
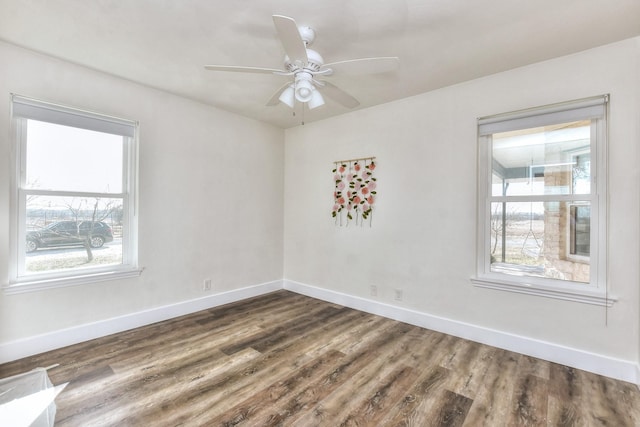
x=165, y=43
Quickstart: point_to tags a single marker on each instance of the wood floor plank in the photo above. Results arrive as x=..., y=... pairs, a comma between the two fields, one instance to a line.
x=414, y=408
x=338, y=336
x=302, y=402
x=283, y=359
x=343, y=374
x=243, y=381
x=271, y=336
x=361, y=335
x=253, y=410
x=471, y=376
x=492, y=402
x=563, y=414
x=564, y=394
x=453, y=410
x=528, y=365
x=418, y=406
x=529, y=403
x=366, y=380
x=606, y=402
x=389, y=390
x=248, y=411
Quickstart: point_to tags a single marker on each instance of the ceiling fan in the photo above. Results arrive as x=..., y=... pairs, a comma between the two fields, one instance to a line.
x=305, y=66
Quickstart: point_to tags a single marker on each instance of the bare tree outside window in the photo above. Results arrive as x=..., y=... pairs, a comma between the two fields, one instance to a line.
x=84, y=213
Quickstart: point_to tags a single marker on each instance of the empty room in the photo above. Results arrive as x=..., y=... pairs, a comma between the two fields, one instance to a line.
x=278, y=212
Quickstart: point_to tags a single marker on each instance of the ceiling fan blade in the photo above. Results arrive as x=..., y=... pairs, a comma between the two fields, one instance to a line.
x=365, y=65
x=290, y=37
x=337, y=94
x=240, y=69
x=275, y=99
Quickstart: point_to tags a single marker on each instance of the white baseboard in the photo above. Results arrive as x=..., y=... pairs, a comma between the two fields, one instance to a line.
x=596, y=363
x=30, y=346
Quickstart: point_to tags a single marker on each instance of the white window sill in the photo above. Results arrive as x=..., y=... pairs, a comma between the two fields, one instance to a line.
x=61, y=282
x=585, y=296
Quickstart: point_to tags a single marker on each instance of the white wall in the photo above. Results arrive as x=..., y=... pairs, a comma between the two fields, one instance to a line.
x=423, y=234
x=211, y=198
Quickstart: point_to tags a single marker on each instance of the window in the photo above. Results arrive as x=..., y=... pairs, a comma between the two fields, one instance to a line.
x=542, y=203
x=73, y=196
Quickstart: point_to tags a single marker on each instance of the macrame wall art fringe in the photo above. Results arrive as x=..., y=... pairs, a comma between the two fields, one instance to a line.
x=354, y=194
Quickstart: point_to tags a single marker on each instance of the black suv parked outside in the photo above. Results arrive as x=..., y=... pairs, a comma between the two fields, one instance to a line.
x=68, y=233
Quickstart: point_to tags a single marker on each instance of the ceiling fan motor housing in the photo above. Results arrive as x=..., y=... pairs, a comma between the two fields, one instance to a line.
x=307, y=34
x=314, y=62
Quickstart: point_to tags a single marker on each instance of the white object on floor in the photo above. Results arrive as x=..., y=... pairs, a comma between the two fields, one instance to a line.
x=28, y=399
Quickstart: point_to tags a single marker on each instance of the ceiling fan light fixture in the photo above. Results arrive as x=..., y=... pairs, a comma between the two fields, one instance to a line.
x=287, y=97
x=316, y=100
x=304, y=90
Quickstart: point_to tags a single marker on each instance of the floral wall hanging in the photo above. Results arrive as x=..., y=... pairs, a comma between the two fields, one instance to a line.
x=354, y=194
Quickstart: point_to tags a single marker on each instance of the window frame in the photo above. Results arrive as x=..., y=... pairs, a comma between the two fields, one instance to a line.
x=24, y=109
x=594, y=292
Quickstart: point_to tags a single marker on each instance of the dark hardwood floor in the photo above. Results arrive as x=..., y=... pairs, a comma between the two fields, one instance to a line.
x=286, y=359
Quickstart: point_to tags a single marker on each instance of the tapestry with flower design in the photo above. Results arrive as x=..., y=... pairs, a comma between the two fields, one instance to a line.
x=354, y=195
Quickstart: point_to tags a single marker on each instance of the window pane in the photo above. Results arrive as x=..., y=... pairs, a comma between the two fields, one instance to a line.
x=544, y=160
x=580, y=233
x=71, y=159
x=66, y=233
x=537, y=239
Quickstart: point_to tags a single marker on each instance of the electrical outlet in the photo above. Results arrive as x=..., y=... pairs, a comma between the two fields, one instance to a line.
x=207, y=285
x=397, y=294
x=373, y=290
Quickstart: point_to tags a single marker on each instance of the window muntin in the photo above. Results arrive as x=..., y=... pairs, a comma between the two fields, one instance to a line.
x=541, y=222
x=73, y=195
